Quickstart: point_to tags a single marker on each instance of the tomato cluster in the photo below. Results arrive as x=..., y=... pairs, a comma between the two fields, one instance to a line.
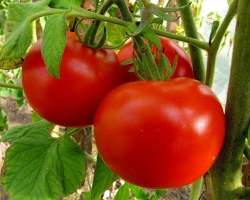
x=154, y=134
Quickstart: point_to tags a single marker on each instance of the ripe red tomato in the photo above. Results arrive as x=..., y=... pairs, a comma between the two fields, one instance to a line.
x=157, y=134
x=184, y=66
x=86, y=76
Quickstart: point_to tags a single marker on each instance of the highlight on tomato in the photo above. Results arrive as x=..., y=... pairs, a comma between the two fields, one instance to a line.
x=160, y=134
x=86, y=76
x=184, y=66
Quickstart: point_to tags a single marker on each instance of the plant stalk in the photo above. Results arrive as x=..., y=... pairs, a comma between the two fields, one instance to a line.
x=196, y=189
x=213, y=51
x=191, y=31
x=12, y=86
x=226, y=173
x=192, y=41
x=80, y=12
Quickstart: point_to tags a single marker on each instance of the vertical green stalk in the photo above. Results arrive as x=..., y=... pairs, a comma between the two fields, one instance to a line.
x=191, y=31
x=125, y=13
x=196, y=189
x=33, y=24
x=213, y=51
x=90, y=35
x=226, y=172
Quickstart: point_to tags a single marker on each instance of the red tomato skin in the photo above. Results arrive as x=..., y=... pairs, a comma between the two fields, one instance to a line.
x=160, y=134
x=184, y=66
x=86, y=76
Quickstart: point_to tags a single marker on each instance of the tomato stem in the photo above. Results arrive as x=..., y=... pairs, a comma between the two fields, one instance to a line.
x=226, y=173
x=196, y=189
x=146, y=3
x=12, y=86
x=89, y=157
x=212, y=52
x=71, y=132
x=127, y=18
x=80, y=12
x=76, y=130
x=125, y=13
x=192, y=41
x=91, y=33
x=191, y=31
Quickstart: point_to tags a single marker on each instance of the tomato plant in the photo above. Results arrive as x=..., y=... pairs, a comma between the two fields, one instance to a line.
x=160, y=134
x=154, y=134
x=170, y=48
x=86, y=76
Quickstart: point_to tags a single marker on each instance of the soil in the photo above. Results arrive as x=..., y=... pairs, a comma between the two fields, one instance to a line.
x=23, y=116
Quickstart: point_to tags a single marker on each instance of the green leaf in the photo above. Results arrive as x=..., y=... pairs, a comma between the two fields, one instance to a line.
x=115, y=34
x=140, y=69
x=12, y=63
x=146, y=20
x=214, y=29
x=54, y=42
x=5, y=92
x=64, y=3
x=35, y=117
x=174, y=9
x=103, y=178
x=123, y=193
x=160, y=13
x=4, y=124
x=86, y=195
x=18, y=132
x=138, y=192
x=18, y=42
x=169, y=69
x=153, y=197
x=113, y=10
x=158, y=20
x=127, y=62
x=41, y=167
x=151, y=36
x=159, y=192
x=18, y=31
x=162, y=65
x=17, y=94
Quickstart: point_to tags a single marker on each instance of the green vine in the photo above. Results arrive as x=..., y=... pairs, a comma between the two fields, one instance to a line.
x=213, y=50
x=12, y=86
x=191, y=31
x=226, y=173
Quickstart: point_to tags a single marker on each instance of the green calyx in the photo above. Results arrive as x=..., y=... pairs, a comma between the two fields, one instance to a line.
x=148, y=66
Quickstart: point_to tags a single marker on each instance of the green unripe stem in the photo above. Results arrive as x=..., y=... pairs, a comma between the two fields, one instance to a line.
x=146, y=3
x=80, y=12
x=195, y=42
x=89, y=38
x=191, y=31
x=196, y=189
x=213, y=51
x=126, y=16
x=226, y=173
x=11, y=86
